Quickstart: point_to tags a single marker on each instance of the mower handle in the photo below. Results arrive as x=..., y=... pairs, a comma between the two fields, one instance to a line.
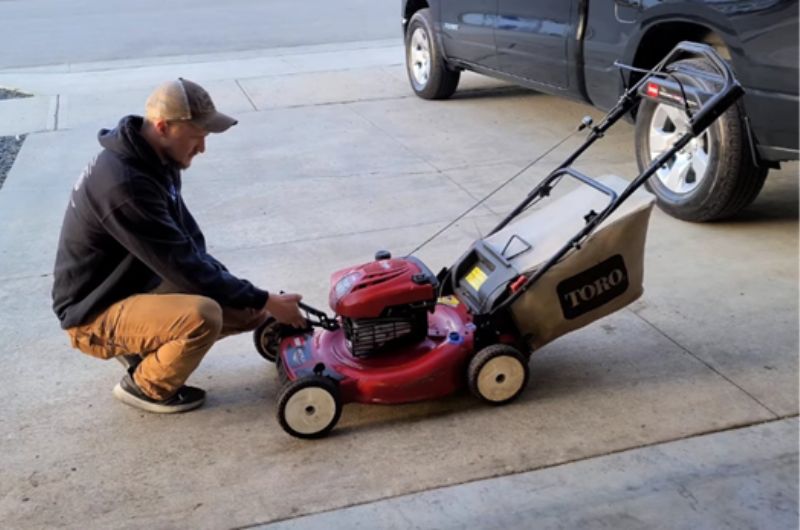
x=320, y=320
x=730, y=92
x=572, y=172
x=720, y=101
x=727, y=96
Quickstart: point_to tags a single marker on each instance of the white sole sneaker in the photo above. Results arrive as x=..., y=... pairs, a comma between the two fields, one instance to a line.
x=168, y=407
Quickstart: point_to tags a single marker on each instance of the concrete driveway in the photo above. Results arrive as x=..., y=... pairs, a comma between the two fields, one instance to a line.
x=334, y=159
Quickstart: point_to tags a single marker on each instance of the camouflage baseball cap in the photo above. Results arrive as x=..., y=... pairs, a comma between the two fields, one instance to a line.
x=184, y=100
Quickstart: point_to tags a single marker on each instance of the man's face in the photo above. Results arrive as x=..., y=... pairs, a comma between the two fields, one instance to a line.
x=182, y=141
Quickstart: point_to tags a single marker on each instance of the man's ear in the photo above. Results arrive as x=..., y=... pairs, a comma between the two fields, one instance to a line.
x=161, y=127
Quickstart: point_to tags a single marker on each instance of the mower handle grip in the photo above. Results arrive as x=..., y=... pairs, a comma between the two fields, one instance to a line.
x=572, y=172
x=320, y=320
x=715, y=107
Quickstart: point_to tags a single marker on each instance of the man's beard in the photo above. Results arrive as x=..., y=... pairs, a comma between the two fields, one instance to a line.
x=176, y=164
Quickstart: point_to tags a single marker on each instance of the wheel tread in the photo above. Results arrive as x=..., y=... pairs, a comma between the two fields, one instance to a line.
x=485, y=355
x=442, y=81
x=291, y=387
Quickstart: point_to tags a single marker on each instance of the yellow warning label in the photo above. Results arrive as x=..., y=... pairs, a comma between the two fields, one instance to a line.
x=476, y=278
x=450, y=300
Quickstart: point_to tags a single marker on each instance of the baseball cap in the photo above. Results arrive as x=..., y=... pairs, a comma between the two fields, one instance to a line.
x=182, y=99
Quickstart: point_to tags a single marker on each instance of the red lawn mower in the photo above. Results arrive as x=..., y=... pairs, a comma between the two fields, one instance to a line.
x=402, y=333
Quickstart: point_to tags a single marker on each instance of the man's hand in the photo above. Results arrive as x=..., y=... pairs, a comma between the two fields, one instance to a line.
x=284, y=308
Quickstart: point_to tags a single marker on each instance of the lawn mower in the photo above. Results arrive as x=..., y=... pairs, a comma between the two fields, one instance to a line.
x=402, y=333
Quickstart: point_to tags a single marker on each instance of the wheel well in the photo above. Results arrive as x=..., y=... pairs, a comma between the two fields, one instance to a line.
x=412, y=6
x=658, y=42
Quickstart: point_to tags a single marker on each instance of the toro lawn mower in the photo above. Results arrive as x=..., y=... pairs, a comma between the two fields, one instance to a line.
x=402, y=334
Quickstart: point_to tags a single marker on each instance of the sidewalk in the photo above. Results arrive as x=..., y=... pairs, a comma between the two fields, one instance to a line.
x=333, y=159
x=744, y=478
x=69, y=96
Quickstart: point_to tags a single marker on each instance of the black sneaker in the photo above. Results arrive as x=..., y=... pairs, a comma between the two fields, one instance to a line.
x=186, y=398
x=130, y=362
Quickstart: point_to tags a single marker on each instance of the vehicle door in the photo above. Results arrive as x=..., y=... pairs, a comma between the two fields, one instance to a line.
x=532, y=39
x=467, y=28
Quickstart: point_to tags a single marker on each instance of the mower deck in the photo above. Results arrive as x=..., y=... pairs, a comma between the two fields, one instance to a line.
x=432, y=368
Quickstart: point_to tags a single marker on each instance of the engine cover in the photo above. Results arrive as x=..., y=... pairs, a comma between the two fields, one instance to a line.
x=383, y=304
x=368, y=290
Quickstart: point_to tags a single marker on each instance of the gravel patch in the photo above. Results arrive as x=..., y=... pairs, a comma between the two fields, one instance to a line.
x=9, y=145
x=10, y=93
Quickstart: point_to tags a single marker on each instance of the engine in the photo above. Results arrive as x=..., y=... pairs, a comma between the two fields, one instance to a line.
x=383, y=303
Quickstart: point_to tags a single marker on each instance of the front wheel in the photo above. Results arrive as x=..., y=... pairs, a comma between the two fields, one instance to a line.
x=427, y=69
x=309, y=407
x=714, y=176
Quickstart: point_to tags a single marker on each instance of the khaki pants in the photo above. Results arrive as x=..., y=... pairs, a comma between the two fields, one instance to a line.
x=172, y=332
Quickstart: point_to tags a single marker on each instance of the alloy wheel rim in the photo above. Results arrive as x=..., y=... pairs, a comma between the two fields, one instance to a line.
x=419, y=56
x=684, y=172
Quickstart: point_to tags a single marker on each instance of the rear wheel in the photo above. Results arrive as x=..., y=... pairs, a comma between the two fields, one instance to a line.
x=425, y=64
x=498, y=374
x=267, y=339
x=715, y=175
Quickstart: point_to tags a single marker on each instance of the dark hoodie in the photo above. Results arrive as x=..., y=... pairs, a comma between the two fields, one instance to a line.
x=127, y=228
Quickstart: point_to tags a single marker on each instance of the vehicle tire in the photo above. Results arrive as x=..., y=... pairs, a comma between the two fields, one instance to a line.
x=497, y=374
x=427, y=69
x=309, y=407
x=715, y=175
x=267, y=339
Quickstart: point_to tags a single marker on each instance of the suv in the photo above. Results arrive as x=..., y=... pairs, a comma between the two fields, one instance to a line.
x=570, y=47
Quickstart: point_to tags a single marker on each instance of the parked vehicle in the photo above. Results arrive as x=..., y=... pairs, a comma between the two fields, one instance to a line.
x=570, y=47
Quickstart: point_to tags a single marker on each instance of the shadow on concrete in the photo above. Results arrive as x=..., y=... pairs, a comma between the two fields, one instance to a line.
x=361, y=418
x=494, y=93
x=242, y=390
x=778, y=200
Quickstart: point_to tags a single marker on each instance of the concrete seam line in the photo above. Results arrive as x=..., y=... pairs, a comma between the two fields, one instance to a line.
x=58, y=109
x=246, y=95
x=707, y=365
x=390, y=135
x=25, y=276
x=343, y=102
x=329, y=71
x=347, y=234
x=542, y=468
x=428, y=162
x=469, y=194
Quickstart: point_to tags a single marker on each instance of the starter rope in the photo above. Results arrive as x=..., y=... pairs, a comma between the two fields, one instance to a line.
x=498, y=188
